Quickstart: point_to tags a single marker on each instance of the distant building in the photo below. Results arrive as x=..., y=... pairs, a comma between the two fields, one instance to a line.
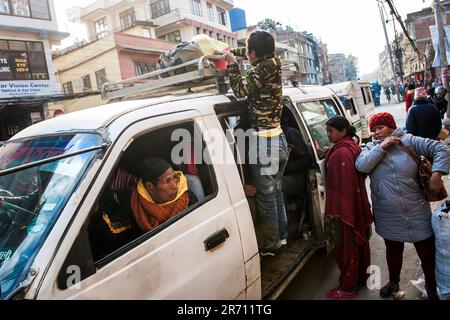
x=27, y=33
x=324, y=76
x=337, y=67
x=237, y=19
x=418, y=26
x=386, y=75
x=305, y=46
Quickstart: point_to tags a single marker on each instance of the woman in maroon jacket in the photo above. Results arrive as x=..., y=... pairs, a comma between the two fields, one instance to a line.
x=348, y=217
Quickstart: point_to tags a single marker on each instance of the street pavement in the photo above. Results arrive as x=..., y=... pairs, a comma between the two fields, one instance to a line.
x=321, y=274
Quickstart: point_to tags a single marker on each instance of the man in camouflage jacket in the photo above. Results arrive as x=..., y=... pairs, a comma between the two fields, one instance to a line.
x=268, y=150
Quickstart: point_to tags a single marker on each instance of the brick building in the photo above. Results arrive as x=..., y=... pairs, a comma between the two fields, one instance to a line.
x=418, y=26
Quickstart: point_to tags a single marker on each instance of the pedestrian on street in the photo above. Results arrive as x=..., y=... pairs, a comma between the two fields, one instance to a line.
x=387, y=92
x=393, y=90
x=439, y=101
x=348, y=218
x=409, y=98
x=423, y=118
x=263, y=87
x=400, y=92
x=401, y=214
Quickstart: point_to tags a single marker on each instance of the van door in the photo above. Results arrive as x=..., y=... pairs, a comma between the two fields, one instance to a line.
x=314, y=114
x=194, y=255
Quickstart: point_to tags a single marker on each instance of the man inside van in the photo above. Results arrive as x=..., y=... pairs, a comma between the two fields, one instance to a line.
x=268, y=152
x=160, y=194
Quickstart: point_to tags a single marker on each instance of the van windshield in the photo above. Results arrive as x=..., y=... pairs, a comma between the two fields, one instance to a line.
x=32, y=199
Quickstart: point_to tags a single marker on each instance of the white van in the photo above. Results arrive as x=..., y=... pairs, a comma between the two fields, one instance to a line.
x=357, y=99
x=54, y=173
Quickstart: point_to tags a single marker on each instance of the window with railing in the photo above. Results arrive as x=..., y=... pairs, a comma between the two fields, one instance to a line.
x=222, y=16
x=37, y=9
x=100, y=77
x=101, y=28
x=127, y=18
x=86, y=83
x=67, y=88
x=196, y=6
x=159, y=7
x=210, y=9
x=22, y=60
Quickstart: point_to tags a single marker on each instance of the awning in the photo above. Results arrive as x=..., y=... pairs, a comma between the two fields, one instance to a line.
x=45, y=34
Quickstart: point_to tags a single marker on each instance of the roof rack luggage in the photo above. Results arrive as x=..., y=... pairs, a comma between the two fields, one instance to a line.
x=196, y=73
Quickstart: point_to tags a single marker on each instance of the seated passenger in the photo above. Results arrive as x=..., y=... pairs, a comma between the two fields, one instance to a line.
x=160, y=194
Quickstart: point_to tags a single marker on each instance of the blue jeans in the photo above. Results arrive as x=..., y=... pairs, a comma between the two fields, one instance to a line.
x=271, y=155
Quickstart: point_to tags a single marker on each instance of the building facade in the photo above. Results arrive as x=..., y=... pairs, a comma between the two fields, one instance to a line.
x=337, y=67
x=305, y=47
x=385, y=76
x=28, y=29
x=418, y=26
x=176, y=20
x=323, y=77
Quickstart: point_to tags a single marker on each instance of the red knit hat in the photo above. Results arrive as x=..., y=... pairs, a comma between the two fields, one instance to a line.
x=382, y=119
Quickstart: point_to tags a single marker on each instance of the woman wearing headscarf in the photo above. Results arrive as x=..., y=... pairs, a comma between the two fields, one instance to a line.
x=348, y=217
x=401, y=214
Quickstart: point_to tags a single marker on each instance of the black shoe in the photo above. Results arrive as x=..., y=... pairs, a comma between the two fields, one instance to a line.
x=389, y=289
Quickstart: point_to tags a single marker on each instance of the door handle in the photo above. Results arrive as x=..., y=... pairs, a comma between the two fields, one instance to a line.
x=215, y=239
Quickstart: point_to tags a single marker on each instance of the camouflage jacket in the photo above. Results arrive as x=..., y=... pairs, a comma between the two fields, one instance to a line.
x=262, y=85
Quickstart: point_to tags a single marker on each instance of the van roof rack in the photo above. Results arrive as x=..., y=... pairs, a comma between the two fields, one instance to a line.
x=195, y=73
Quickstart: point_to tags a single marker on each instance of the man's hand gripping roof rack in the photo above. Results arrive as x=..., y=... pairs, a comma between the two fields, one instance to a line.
x=186, y=75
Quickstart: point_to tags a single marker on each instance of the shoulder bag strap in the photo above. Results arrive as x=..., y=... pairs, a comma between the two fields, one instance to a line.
x=410, y=153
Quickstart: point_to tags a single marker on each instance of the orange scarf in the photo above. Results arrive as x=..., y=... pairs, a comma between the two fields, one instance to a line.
x=148, y=214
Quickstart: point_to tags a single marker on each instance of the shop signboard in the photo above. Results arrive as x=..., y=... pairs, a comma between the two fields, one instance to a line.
x=32, y=88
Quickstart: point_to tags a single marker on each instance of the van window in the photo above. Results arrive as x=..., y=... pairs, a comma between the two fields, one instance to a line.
x=316, y=114
x=363, y=92
x=369, y=94
x=229, y=124
x=115, y=224
x=349, y=104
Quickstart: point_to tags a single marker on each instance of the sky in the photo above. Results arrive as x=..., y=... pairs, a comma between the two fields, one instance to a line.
x=346, y=26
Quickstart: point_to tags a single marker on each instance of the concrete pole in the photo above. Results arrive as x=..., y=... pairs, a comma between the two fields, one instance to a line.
x=442, y=47
x=388, y=45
